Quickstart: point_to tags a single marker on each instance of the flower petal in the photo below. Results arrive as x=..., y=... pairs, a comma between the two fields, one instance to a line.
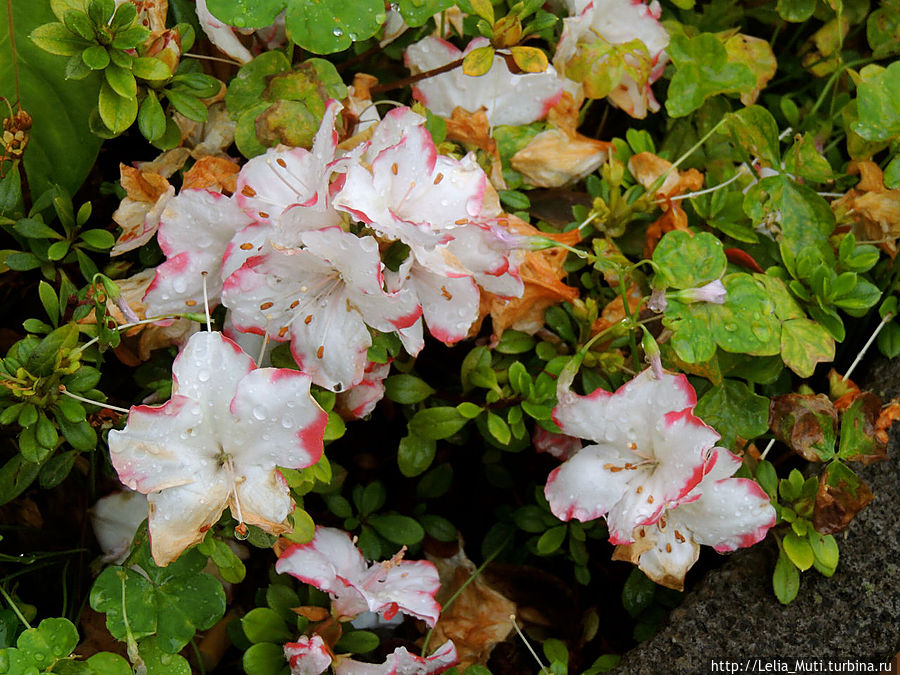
x=307, y=656
x=324, y=561
x=585, y=487
x=180, y=516
x=401, y=662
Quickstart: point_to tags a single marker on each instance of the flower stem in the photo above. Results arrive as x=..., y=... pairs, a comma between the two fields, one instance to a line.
x=15, y=608
x=512, y=620
x=462, y=587
x=862, y=352
x=66, y=392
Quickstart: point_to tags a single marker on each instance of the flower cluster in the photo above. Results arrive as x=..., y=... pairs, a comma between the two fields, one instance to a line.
x=655, y=474
x=321, y=247
x=333, y=564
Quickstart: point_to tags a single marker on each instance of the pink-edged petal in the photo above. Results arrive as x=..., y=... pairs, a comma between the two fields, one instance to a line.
x=508, y=98
x=307, y=656
x=324, y=562
x=449, y=305
x=180, y=516
x=208, y=370
x=361, y=400
x=629, y=414
x=560, y=446
x=401, y=662
x=247, y=243
x=731, y=513
x=157, y=448
x=410, y=587
x=589, y=484
x=668, y=553
x=278, y=421
x=261, y=497
x=391, y=129
x=270, y=183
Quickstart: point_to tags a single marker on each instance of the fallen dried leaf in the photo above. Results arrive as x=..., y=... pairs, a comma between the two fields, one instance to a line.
x=841, y=495
x=874, y=210
x=807, y=423
x=889, y=414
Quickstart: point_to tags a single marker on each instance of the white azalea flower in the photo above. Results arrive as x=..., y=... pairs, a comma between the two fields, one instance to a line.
x=218, y=442
x=331, y=563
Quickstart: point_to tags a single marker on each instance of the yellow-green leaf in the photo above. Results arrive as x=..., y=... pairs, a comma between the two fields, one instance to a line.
x=484, y=9
x=478, y=61
x=529, y=59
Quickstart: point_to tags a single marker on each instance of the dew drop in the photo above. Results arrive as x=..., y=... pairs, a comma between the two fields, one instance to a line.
x=203, y=376
x=287, y=421
x=180, y=285
x=731, y=327
x=259, y=413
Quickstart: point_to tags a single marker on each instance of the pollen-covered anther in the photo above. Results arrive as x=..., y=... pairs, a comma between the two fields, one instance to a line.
x=446, y=293
x=613, y=468
x=640, y=489
x=642, y=533
x=462, y=221
x=190, y=303
x=668, y=548
x=650, y=499
x=320, y=352
x=263, y=214
x=280, y=162
x=246, y=246
x=438, y=178
x=662, y=523
x=394, y=168
x=248, y=191
x=294, y=304
x=266, y=305
x=308, y=319
x=632, y=446
x=282, y=331
x=679, y=536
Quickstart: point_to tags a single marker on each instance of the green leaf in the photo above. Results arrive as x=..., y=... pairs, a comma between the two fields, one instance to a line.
x=732, y=409
x=756, y=131
x=416, y=12
x=551, y=540
x=52, y=640
x=514, y=342
x=99, y=239
x=438, y=527
x=265, y=625
x=80, y=435
x=264, y=658
x=57, y=39
x=247, y=87
x=35, y=229
x=702, y=70
x=795, y=11
x=858, y=440
x=478, y=61
x=107, y=663
x=804, y=343
x=878, y=103
x=41, y=361
x=151, y=69
x=803, y=160
x=151, y=117
x=825, y=550
x=436, y=423
x=138, y=604
x=257, y=14
x=49, y=301
x=160, y=662
x=806, y=423
x=59, y=108
x=371, y=498
x=798, y=550
x=556, y=651
x=398, y=529
x=357, y=642
x=121, y=80
x=56, y=469
x=95, y=57
x=785, y=579
x=117, y=112
x=404, y=388
x=498, y=428
x=883, y=29
x=687, y=261
x=15, y=476
x=187, y=104
x=637, y=593
x=415, y=455
x=328, y=27
x=889, y=340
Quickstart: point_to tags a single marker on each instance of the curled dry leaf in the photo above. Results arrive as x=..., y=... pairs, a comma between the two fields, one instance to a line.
x=860, y=441
x=873, y=209
x=541, y=273
x=474, y=129
x=889, y=414
x=806, y=423
x=212, y=173
x=614, y=312
x=647, y=168
x=479, y=617
x=841, y=495
x=147, y=193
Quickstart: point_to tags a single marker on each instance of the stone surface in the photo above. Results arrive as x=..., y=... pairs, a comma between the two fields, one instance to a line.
x=733, y=613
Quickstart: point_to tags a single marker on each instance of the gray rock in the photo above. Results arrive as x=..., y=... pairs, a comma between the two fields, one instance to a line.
x=733, y=614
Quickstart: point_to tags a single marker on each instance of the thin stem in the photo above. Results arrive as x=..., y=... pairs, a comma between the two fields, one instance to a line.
x=831, y=194
x=206, y=303
x=624, y=292
x=406, y=81
x=512, y=620
x=462, y=587
x=126, y=326
x=66, y=392
x=15, y=608
x=230, y=62
x=12, y=48
x=262, y=350
x=662, y=178
x=691, y=195
x=766, y=451
x=862, y=352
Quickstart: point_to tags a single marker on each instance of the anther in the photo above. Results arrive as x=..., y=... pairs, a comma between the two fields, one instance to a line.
x=668, y=548
x=394, y=168
x=438, y=178
x=281, y=163
x=283, y=331
x=248, y=191
x=246, y=246
x=650, y=499
x=307, y=319
x=190, y=303
x=320, y=351
x=266, y=305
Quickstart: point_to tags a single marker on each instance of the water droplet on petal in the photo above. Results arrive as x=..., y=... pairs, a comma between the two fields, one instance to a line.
x=259, y=413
